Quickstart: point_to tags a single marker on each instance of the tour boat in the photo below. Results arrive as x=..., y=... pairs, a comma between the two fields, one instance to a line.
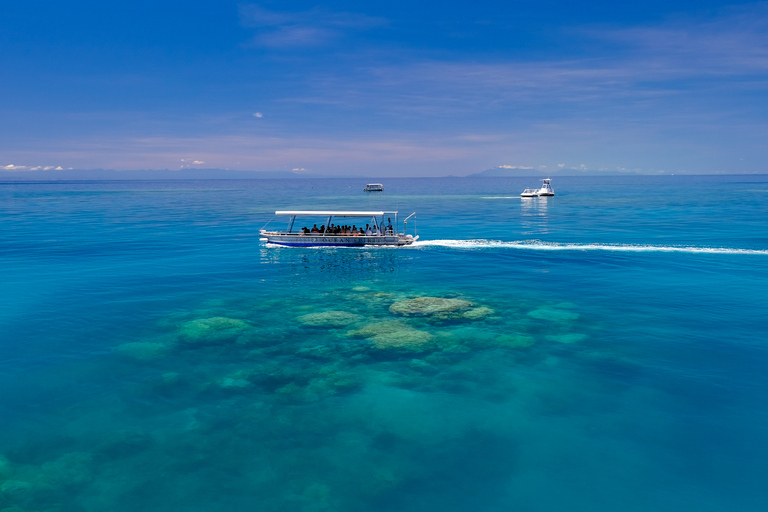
x=545, y=190
x=374, y=187
x=382, y=230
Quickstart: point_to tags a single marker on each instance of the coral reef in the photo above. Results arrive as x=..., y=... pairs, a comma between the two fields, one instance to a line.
x=330, y=318
x=430, y=306
x=68, y=470
x=477, y=313
x=394, y=334
x=515, y=340
x=212, y=330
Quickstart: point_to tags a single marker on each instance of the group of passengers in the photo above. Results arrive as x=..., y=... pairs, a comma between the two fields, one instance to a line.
x=345, y=230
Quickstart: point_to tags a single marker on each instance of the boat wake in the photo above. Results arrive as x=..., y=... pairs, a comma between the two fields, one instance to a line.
x=539, y=245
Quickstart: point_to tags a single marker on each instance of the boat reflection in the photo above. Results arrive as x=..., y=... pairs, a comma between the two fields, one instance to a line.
x=534, y=215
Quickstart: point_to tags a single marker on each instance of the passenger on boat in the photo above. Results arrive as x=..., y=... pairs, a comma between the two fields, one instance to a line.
x=314, y=229
x=305, y=230
x=368, y=230
x=389, y=226
x=375, y=231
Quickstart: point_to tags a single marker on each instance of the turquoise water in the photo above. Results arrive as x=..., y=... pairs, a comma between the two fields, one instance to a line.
x=601, y=350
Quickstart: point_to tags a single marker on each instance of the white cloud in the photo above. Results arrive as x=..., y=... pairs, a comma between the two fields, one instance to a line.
x=12, y=167
x=197, y=162
x=561, y=165
x=514, y=167
x=304, y=28
x=258, y=115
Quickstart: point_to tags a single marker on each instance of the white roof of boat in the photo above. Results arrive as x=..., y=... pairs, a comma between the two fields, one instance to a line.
x=328, y=213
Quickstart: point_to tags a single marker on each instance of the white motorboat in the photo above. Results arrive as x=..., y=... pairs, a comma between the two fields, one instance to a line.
x=374, y=187
x=381, y=230
x=544, y=191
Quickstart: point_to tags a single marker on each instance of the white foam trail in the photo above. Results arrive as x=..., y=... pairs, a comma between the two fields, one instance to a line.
x=538, y=245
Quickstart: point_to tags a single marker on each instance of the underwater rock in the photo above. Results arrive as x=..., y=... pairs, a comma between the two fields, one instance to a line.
x=422, y=367
x=567, y=338
x=343, y=348
x=69, y=469
x=326, y=382
x=553, y=314
x=318, y=352
x=275, y=375
x=251, y=337
x=393, y=334
x=16, y=508
x=289, y=389
x=5, y=468
x=470, y=336
x=212, y=330
x=123, y=443
x=171, y=377
x=236, y=380
x=360, y=289
x=457, y=349
x=341, y=382
x=16, y=491
x=430, y=306
x=410, y=339
x=330, y=318
x=478, y=313
x=515, y=340
x=143, y=350
x=233, y=383
x=376, y=328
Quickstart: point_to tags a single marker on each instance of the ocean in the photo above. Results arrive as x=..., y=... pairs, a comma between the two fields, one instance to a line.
x=604, y=349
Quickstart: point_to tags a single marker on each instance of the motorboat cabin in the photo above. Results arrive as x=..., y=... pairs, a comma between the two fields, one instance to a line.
x=339, y=229
x=374, y=187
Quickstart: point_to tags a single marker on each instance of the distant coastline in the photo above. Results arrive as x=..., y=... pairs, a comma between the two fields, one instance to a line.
x=227, y=174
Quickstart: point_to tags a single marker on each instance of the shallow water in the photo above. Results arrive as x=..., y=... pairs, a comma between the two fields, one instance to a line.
x=582, y=352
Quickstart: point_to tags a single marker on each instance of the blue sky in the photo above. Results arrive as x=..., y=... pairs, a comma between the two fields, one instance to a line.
x=388, y=89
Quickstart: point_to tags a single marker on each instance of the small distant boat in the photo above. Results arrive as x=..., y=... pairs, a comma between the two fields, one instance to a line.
x=381, y=230
x=374, y=187
x=544, y=191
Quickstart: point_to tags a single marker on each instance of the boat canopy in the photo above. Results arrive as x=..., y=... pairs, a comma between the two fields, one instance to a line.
x=333, y=213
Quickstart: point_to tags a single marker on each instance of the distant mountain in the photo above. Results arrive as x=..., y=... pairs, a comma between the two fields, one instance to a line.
x=183, y=174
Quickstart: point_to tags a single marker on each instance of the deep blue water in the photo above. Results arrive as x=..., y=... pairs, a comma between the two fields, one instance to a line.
x=601, y=350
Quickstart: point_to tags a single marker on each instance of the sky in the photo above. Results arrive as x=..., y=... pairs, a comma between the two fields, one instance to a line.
x=396, y=88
